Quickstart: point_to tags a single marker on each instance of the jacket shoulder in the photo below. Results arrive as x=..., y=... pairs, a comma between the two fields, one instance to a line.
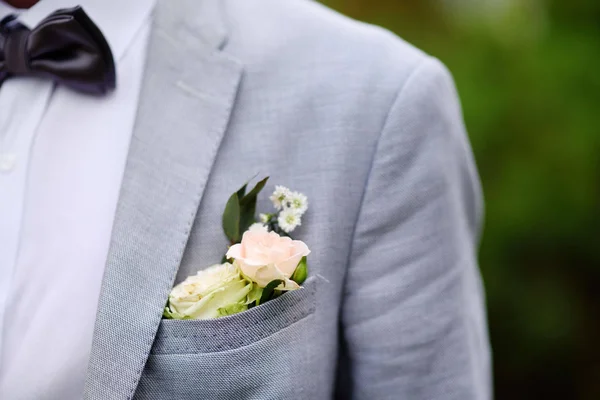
x=305, y=35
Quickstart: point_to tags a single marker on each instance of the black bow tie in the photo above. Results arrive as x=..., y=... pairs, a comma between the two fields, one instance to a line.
x=66, y=46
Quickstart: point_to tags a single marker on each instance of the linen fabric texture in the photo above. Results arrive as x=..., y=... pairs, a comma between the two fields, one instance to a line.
x=370, y=129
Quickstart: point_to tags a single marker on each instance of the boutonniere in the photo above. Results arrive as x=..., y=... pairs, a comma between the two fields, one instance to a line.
x=262, y=262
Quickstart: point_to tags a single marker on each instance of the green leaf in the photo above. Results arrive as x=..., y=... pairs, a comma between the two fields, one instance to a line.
x=268, y=290
x=231, y=219
x=242, y=191
x=251, y=196
x=248, y=206
x=240, y=211
x=301, y=272
x=254, y=295
x=247, y=217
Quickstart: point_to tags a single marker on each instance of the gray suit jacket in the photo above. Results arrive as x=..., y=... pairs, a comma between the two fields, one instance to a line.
x=370, y=129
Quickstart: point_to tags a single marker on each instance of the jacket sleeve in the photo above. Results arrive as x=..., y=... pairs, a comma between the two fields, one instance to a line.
x=413, y=316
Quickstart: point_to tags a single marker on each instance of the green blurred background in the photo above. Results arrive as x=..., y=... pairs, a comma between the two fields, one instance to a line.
x=528, y=72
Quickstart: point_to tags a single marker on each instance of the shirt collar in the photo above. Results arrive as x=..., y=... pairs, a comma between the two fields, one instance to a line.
x=6, y=9
x=118, y=20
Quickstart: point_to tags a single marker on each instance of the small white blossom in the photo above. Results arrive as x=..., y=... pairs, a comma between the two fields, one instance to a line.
x=280, y=197
x=258, y=227
x=288, y=220
x=264, y=218
x=298, y=202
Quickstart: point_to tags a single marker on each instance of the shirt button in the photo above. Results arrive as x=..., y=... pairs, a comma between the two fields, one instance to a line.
x=7, y=162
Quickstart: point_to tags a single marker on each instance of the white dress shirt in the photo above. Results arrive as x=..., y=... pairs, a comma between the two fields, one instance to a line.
x=62, y=158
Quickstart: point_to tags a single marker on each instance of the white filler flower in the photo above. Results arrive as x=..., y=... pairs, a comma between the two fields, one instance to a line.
x=280, y=197
x=257, y=226
x=298, y=202
x=289, y=220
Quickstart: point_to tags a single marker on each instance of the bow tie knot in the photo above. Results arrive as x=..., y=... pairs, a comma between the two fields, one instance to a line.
x=66, y=46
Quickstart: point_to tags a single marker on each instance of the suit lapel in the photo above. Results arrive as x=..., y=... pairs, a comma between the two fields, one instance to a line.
x=187, y=94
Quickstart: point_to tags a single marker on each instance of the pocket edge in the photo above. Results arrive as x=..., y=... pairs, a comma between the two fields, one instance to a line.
x=239, y=330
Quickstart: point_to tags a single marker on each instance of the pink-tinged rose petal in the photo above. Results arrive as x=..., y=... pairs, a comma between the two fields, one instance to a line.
x=257, y=253
x=234, y=251
x=266, y=256
x=288, y=266
x=278, y=255
x=288, y=284
x=248, y=270
x=300, y=248
x=266, y=274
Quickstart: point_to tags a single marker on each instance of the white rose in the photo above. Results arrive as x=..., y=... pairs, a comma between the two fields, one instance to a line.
x=265, y=256
x=214, y=292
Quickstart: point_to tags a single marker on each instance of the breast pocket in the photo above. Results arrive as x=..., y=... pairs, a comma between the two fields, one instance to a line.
x=256, y=354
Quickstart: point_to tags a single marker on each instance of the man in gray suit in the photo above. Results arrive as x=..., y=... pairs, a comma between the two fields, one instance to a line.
x=107, y=200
